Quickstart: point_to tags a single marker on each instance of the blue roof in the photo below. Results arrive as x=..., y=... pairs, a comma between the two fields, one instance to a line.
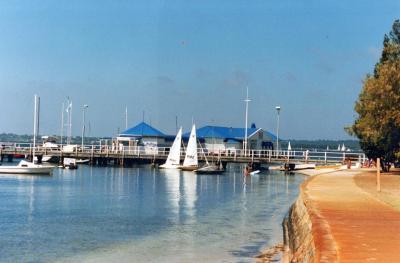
x=272, y=136
x=142, y=129
x=223, y=132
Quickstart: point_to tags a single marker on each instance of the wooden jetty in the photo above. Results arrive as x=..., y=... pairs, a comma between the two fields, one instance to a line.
x=105, y=154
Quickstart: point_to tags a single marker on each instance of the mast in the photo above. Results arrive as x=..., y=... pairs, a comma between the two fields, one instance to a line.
x=69, y=111
x=126, y=118
x=35, y=126
x=62, y=123
x=70, y=123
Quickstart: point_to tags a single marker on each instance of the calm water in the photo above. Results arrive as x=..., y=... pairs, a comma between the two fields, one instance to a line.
x=141, y=214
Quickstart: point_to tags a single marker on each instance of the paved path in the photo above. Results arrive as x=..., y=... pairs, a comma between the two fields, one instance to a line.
x=350, y=225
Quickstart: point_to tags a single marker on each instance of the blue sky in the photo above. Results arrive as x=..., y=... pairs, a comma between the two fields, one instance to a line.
x=189, y=59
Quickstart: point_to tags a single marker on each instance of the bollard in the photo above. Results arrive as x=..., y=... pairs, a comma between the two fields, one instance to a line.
x=378, y=174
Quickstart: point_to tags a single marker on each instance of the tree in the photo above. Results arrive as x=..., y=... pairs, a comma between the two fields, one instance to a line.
x=378, y=106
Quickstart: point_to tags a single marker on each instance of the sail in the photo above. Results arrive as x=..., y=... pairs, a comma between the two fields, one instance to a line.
x=191, y=150
x=175, y=151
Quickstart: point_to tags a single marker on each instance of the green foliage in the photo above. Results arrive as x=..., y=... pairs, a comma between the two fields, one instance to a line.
x=378, y=122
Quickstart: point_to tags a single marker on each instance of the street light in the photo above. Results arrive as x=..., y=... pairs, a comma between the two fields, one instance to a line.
x=278, y=109
x=85, y=106
x=247, y=100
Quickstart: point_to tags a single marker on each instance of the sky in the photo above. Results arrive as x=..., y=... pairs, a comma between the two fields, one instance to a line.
x=190, y=59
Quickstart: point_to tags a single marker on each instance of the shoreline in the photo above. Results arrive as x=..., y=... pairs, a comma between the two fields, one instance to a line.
x=336, y=211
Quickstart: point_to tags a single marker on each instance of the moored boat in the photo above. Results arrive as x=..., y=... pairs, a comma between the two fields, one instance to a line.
x=25, y=167
x=191, y=162
x=210, y=169
x=173, y=159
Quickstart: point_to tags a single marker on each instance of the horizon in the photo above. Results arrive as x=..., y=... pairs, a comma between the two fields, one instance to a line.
x=189, y=60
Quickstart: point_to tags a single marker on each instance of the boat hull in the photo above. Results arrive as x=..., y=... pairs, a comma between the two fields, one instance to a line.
x=170, y=166
x=25, y=170
x=189, y=168
x=209, y=171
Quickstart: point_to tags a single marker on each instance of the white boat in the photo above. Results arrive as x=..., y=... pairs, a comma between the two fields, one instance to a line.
x=210, y=169
x=70, y=163
x=25, y=167
x=304, y=166
x=191, y=162
x=174, y=156
x=293, y=166
x=82, y=161
x=45, y=158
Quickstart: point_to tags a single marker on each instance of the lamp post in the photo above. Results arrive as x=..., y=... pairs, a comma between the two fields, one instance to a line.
x=85, y=106
x=278, y=109
x=247, y=100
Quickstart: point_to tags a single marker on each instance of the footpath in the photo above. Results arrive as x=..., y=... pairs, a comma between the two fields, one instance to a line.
x=349, y=224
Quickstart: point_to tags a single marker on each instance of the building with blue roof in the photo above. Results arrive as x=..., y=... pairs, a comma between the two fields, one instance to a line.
x=144, y=136
x=142, y=130
x=220, y=139
x=215, y=139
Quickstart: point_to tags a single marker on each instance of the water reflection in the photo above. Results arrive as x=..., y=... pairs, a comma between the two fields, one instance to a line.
x=172, y=188
x=190, y=193
x=207, y=218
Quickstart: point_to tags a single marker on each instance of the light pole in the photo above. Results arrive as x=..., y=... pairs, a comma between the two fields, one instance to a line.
x=85, y=106
x=247, y=100
x=278, y=109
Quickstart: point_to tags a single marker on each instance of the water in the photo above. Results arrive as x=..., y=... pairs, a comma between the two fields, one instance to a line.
x=140, y=214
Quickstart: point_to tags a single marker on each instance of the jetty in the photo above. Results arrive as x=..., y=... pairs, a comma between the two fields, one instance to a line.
x=125, y=156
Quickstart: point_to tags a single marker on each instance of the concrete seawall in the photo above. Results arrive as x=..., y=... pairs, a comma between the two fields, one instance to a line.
x=298, y=238
x=307, y=236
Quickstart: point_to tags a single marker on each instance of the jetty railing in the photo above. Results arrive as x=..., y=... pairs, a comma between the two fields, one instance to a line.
x=232, y=155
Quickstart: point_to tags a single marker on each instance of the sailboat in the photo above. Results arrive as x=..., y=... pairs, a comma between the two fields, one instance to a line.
x=174, y=156
x=25, y=167
x=209, y=168
x=343, y=148
x=191, y=161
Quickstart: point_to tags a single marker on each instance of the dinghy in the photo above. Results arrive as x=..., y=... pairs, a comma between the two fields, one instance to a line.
x=191, y=162
x=174, y=156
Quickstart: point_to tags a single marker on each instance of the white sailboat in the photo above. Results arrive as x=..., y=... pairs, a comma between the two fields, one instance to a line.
x=25, y=167
x=343, y=148
x=174, y=156
x=191, y=162
x=209, y=168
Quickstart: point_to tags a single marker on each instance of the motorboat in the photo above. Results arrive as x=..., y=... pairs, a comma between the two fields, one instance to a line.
x=70, y=163
x=25, y=167
x=82, y=161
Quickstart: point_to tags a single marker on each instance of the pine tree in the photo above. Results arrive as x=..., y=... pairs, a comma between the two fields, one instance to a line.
x=378, y=106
